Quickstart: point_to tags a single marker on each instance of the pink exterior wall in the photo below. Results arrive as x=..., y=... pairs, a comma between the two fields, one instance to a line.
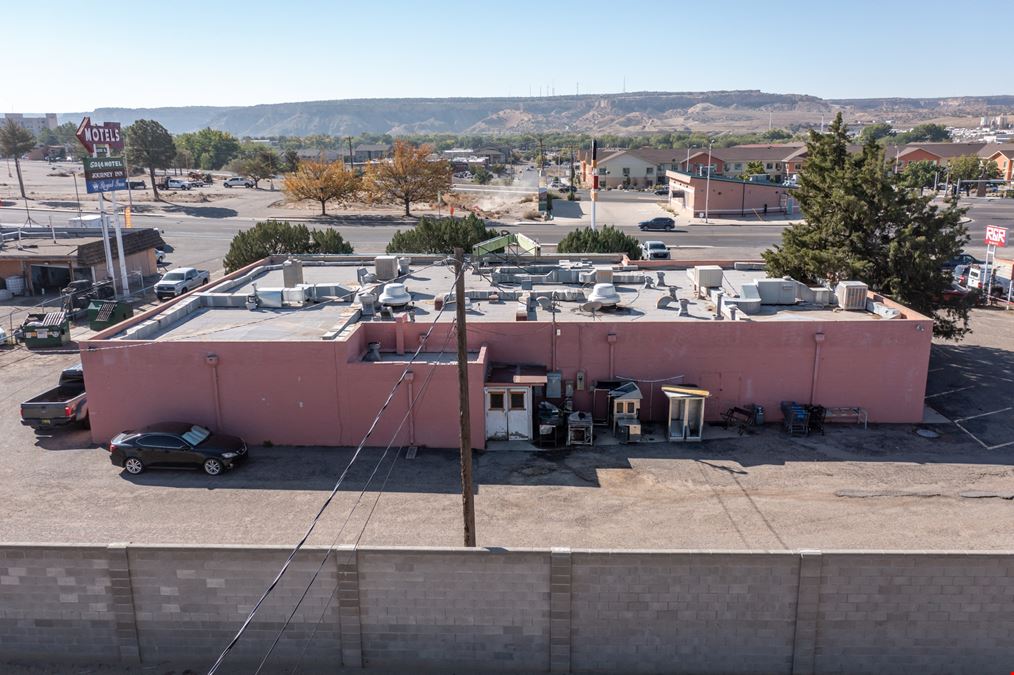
x=292, y=393
x=728, y=196
x=322, y=393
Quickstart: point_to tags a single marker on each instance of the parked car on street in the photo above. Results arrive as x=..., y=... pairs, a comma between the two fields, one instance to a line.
x=962, y=259
x=136, y=184
x=566, y=188
x=176, y=445
x=662, y=191
x=660, y=223
x=179, y=281
x=238, y=181
x=61, y=406
x=654, y=250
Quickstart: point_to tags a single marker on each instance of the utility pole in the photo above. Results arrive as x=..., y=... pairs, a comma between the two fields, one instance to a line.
x=707, y=183
x=467, y=497
x=352, y=158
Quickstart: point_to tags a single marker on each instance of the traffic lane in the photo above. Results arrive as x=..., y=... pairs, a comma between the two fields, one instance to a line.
x=985, y=212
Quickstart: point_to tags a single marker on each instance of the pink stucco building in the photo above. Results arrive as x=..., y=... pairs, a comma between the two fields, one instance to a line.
x=283, y=353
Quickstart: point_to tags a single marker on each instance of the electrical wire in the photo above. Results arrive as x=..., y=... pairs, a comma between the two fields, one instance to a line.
x=362, y=493
x=334, y=491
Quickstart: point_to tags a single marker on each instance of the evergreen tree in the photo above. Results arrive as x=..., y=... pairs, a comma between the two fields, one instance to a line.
x=441, y=235
x=607, y=239
x=15, y=141
x=862, y=222
x=150, y=145
x=273, y=237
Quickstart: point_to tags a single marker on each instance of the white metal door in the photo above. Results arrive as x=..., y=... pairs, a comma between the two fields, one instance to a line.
x=508, y=413
x=519, y=414
x=496, y=413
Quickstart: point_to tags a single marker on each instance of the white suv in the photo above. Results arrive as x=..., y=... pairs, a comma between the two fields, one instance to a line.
x=238, y=181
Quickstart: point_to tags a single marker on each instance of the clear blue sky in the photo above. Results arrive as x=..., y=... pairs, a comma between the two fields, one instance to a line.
x=242, y=52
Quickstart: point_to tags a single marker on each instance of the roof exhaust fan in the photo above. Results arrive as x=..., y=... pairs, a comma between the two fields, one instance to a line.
x=395, y=295
x=605, y=295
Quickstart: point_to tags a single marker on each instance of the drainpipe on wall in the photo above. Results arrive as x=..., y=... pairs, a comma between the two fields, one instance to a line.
x=611, y=339
x=409, y=377
x=212, y=360
x=399, y=334
x=819, y=339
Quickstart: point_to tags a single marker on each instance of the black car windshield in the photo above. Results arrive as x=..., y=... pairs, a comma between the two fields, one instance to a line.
x=655, y=244
x=196, y=435
x=173, y=276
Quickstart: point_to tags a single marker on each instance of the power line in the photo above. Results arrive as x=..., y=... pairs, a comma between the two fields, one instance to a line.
x=362, y=530
x=334, y=491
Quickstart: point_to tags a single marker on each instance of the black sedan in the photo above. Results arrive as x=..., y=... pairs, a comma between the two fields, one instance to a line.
x=172, y=445
x=661, y=223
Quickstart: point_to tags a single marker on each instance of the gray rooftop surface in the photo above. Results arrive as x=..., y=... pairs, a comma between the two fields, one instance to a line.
x=426, y=283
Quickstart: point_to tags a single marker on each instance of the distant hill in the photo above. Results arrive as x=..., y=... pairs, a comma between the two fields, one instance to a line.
x=637, y=112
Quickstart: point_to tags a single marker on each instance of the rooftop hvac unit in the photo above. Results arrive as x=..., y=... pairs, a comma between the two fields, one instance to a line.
x=604, y=276
x=851, y=294
x=604, y=294
x=292, y=273
x=386, y=267
x=707, y=276
x=395, y=295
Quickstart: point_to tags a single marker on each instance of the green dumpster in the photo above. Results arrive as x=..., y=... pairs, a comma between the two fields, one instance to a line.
x=46, y=330
x=104, y=313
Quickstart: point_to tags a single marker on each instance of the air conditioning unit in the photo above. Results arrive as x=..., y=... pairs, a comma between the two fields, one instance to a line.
x=707, y=276
x=386, y=267
x=851, y=294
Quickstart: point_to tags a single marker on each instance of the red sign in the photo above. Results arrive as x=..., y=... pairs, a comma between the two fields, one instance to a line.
x=996, y=236
x=107, y=133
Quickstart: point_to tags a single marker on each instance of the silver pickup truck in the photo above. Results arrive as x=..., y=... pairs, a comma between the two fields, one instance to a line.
x=179, y=281
x=60, y=406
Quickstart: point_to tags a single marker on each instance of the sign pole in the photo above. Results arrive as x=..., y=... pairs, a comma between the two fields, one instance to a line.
x=105, y=239
x=124, y=286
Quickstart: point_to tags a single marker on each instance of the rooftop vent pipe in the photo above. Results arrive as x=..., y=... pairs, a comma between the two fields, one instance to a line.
x=604, y=294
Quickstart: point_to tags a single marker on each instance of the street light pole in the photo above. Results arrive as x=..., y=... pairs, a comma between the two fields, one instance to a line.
x=707, y=184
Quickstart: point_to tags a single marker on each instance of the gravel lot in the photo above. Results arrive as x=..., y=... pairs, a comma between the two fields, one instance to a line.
x=885, y=488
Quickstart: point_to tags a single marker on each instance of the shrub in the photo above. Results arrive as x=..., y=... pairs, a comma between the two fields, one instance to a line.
x=441, y=235
x=608, y=239
x=272, y=237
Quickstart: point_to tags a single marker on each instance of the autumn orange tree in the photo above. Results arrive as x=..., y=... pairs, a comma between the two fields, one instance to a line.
x=322, y=182
x=409, y=176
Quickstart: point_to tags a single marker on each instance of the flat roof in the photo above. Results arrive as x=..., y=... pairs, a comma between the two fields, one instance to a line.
x=326, y=302
x=44, y=248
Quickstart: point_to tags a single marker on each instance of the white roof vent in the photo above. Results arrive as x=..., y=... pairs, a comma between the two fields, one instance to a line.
x=604, y=294
x=395, y=295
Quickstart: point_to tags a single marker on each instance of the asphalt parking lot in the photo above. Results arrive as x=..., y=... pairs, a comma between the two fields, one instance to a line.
x=885, y=488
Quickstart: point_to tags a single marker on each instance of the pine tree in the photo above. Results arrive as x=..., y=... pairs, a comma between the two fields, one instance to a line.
x=864, y=223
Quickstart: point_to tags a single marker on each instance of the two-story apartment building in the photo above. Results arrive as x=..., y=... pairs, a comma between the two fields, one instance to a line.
x=633, y=167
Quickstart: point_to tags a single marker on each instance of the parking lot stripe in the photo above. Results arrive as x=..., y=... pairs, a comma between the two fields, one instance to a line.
x=972, y=417
x=1002, y=445
x=952, y=391
x=974, y=437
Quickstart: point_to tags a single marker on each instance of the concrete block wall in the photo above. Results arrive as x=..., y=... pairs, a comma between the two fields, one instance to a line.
x=56, y=603
x=916, y=613
x=692, y=612
x=189, y=603
x=466, y=611
x=457, y=610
